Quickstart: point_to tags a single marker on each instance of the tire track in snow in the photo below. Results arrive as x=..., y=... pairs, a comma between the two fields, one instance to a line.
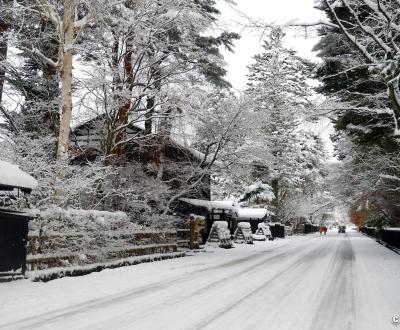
x=120, y=321
x=48, y=317
x=338, y=298
x=301, y=280
x=77, y=308
x=299, y=265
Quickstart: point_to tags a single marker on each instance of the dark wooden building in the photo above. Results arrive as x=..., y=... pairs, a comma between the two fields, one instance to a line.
x=89, y=141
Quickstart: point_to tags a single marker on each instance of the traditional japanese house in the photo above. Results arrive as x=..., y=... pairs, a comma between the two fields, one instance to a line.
x=89, y=140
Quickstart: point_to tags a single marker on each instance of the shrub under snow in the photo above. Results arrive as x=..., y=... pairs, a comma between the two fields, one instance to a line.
x=57, y=231
x=61, y=220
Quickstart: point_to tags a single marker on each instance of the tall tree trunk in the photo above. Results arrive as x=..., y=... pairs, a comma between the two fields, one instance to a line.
x=51, y=114
x=123, y=111
x=116, y=91
x=66, y=53
x=151, y=99
x=66, y=79
x=5, y=24
x=150, y=104
x=163, y=137
x=275, y=201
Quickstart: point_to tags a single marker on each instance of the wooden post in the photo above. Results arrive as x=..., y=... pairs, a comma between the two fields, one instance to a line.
x=34, y=244
x=192, y=227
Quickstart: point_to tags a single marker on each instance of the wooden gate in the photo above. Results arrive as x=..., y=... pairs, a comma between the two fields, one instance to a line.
x=13, y=238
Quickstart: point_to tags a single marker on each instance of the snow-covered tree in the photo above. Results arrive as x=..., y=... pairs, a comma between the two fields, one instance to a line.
x=155, y=49
x=359, y=51
x=371, y=28
x=278, y=76
x=5, y=27
x=68, y=21
x=280, y=96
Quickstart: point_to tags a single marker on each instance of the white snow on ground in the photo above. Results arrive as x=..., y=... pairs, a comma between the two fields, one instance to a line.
x=345, y=281
x=12, y=175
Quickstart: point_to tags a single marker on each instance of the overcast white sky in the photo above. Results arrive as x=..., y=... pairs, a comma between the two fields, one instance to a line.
x=271, y=11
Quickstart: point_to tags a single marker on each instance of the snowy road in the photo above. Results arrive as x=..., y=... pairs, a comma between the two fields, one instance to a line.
x=333, y=282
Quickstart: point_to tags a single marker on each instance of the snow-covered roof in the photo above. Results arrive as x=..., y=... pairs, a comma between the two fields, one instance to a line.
x=133, y=129
x=16, y=215
x=242, y=213
x=223, y=205
x=195, y=153
x=11, y=176
x=246, y=213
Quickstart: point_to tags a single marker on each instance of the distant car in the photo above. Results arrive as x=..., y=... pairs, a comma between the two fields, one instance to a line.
x=342, y=229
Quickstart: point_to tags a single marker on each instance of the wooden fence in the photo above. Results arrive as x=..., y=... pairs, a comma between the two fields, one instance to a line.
x=389, y=237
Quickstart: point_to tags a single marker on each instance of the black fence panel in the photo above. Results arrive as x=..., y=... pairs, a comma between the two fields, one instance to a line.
x=388, y=235
x=309, y=228
x=277, y=230
x=368, y=231
x=391, y=237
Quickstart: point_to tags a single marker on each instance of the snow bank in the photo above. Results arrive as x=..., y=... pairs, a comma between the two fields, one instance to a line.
x=51, y=274
x=12, y=175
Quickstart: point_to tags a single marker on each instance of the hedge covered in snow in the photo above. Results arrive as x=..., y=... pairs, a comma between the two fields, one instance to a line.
x=77, y=237
x=61, y=220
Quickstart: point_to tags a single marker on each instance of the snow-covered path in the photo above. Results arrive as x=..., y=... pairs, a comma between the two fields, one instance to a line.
x=333, y=282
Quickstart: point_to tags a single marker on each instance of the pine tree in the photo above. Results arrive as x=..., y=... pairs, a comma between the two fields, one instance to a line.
x=5, y=26
x=280, y=95
x=346, y=78
x=36, y=79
